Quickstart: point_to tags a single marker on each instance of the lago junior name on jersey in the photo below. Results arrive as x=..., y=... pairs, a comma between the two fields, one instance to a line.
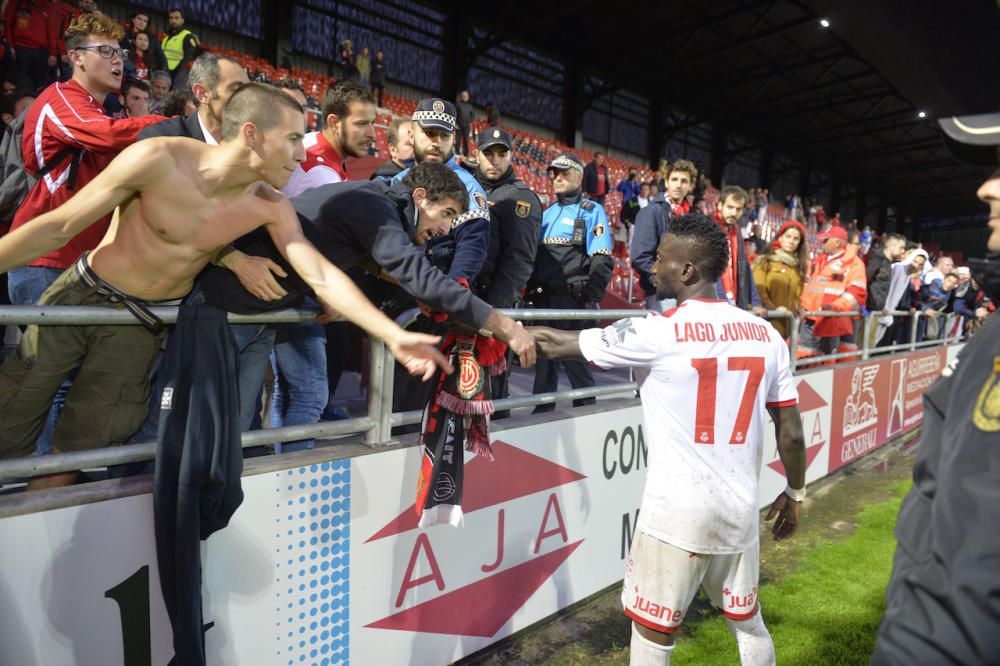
x=701, y=331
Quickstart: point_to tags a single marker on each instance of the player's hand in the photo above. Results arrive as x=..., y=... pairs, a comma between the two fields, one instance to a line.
x=523, y=344
x=787, y=512
x=419, y=354
x=256, y=274
x=759, y=310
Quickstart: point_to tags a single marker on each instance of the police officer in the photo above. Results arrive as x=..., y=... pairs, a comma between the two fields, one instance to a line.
x=942, y=602
x=515, y=221
x=572, y=268
x=461, y=253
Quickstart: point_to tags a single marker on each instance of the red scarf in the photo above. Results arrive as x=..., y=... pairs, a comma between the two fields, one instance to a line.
x=732, y=271
x=683, y=208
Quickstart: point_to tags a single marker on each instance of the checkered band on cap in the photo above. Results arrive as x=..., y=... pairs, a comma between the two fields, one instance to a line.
x=564, y=162
x=434, y=116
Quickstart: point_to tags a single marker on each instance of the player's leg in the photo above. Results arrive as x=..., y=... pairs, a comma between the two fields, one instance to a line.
x=731, y=582
x=660, y=583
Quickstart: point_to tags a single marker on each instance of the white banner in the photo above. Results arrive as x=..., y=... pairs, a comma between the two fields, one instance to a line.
x=324, y=564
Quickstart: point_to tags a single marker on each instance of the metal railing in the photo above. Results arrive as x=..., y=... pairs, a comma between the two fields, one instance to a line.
x=377, y=425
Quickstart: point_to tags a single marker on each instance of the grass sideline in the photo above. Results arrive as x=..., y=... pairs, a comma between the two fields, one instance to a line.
x=827, y=611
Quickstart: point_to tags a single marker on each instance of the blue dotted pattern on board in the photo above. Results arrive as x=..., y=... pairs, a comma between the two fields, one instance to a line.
x=313, y=564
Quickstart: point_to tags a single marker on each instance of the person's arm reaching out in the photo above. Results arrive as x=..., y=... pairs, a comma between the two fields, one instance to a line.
x=792, y=452
x=556, y=344
x=337, y=291
x=136, y=167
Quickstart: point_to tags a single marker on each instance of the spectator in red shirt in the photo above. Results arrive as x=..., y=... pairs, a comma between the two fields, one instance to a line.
x=30, y=40
x=596, y=181
x=67, y=125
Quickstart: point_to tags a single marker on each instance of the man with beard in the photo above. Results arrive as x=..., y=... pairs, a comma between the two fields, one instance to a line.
x=311, y=358
x=180, y=48
x=736, y=285
x=349, y=114
x=653, y=221
x=941, y=603
x=515, y=220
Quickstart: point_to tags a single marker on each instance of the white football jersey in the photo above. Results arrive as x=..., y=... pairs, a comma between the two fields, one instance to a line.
x=713, y=369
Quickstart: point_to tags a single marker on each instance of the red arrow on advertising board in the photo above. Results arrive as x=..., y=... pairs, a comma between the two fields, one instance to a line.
x=515, y=473
x=483, y=607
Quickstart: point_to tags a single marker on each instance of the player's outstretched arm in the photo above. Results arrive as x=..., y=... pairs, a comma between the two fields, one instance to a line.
x=792, y=452
x=556, y=344
x=335, y=290
x=135, y=168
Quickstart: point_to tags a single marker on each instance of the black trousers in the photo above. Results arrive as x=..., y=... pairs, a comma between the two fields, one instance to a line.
x=462, y=140
x=546, y=371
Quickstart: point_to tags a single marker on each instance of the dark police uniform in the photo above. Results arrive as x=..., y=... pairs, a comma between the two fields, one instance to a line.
x=943, y=599
x=515, y=222
x=572, y=269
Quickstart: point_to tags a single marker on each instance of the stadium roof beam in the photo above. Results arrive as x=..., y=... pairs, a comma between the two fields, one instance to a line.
x=886, y=151
x=775, y=101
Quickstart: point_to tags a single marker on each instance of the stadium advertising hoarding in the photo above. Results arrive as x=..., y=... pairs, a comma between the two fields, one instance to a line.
x=325, y=563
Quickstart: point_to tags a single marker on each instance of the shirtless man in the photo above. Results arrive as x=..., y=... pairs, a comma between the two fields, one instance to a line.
x=179, y=202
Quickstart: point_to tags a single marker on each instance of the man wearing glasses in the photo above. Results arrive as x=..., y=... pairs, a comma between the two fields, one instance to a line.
x=67, y=141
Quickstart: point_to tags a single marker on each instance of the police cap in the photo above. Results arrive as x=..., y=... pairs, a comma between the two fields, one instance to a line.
x=973, y=139
x=495, y=136
x=434, y=113
x=566, y=161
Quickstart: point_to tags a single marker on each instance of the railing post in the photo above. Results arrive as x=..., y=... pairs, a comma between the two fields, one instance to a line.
x=376, y=387
x=793, y=341
x=385, y=409
x=913, y=330
x=866, y=331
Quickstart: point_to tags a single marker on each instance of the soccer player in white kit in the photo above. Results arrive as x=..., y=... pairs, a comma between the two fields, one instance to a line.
x=714, y=369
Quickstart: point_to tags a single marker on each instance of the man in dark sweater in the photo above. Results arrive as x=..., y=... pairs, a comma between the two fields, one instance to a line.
x=377, y=226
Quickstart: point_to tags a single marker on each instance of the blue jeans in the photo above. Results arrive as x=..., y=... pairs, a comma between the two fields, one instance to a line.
x=25, y=286
x=301, y=390
x=255, y=342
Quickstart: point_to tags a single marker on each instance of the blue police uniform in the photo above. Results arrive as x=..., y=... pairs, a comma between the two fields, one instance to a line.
x=572, y=269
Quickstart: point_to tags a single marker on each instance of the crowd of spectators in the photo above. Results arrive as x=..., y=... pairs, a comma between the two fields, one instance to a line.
x=786, y=258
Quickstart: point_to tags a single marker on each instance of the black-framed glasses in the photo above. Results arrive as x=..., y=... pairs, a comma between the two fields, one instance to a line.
x=105, y=51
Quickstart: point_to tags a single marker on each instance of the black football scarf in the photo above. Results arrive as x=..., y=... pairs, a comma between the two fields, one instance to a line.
x=455, y=420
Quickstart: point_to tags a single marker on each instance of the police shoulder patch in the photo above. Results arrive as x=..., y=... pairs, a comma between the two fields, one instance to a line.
x=587, y=205
x=599, y=230
x=986, y=413
x=522, y=208
x=480, y=200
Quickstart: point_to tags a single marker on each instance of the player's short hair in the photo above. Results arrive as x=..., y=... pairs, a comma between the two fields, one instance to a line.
x=257, y=103
x=709, y=245
x=734, y=191
x=684, y=166
x=161, y=74
x=439, y=181
x=85, y=25
x=205, y=70
x=392, y=134
x=338, y=98
x=893, y=236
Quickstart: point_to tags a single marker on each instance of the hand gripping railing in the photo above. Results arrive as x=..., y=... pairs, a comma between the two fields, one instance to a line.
x=377, y=424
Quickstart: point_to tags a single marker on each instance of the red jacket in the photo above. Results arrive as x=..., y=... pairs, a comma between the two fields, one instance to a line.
x=65, y=115
x=27, y=24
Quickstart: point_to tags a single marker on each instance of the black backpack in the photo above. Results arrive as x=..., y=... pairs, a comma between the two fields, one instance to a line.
x=15, y=182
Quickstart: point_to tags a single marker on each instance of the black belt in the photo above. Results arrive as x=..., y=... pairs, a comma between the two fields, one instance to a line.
x=137, y=307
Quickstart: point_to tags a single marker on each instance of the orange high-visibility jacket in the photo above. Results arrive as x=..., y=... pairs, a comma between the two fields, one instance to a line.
x=838, y=282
